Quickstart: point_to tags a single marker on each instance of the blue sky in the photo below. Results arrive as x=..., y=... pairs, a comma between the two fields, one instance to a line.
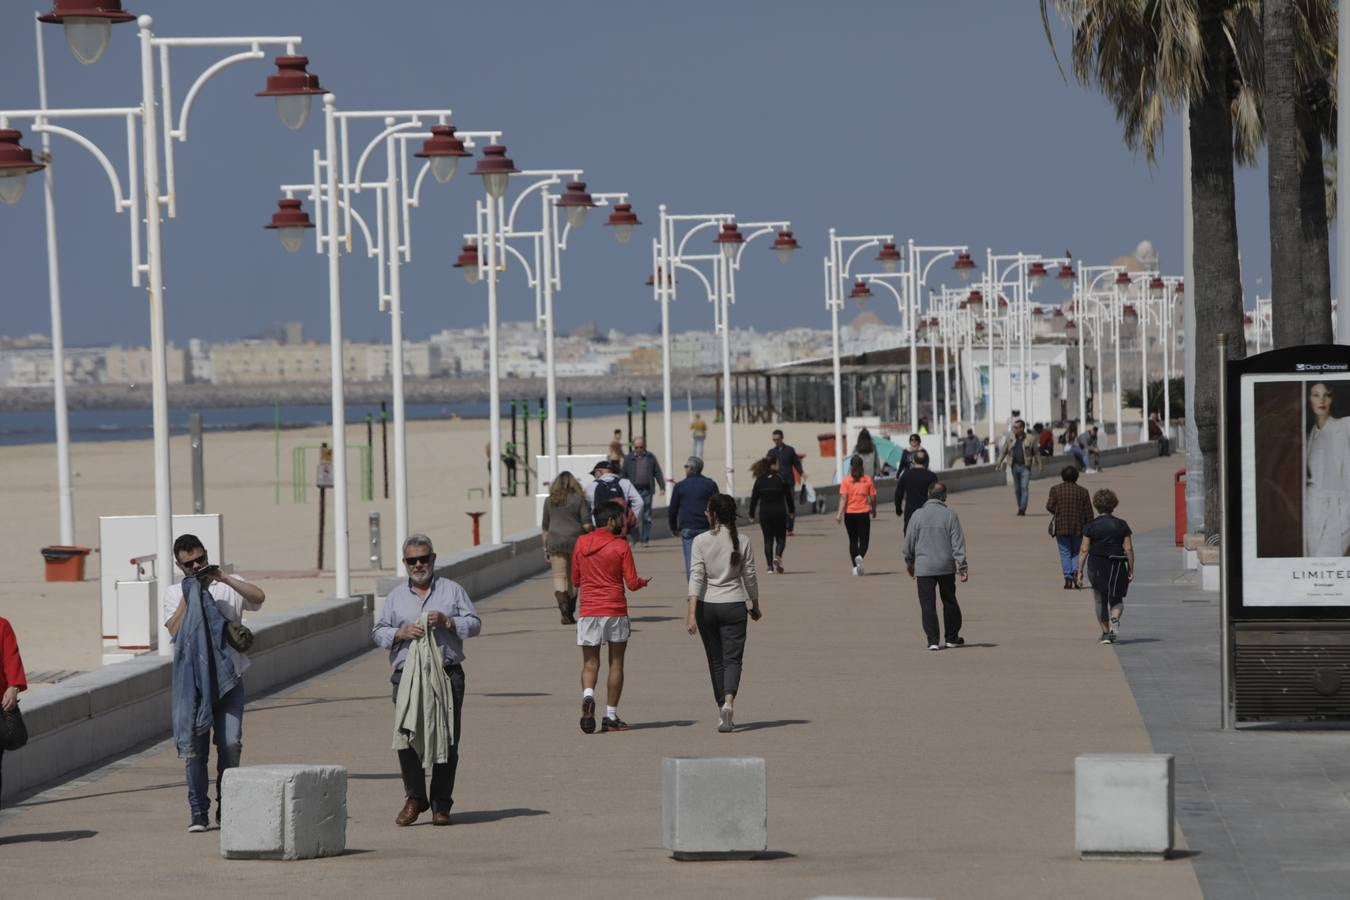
x=947, y=122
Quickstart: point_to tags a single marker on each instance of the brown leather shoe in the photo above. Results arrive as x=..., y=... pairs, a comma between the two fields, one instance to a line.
x=440, y=817
x=411, y=810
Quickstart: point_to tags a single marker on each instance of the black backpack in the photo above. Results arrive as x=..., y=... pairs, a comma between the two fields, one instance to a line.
x=607, y=490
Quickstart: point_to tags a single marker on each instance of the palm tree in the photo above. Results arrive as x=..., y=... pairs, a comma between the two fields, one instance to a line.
x=1280, y=103
x=1147, y=56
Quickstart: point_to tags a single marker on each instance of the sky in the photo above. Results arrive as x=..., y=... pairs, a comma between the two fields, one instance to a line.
x=947, y=122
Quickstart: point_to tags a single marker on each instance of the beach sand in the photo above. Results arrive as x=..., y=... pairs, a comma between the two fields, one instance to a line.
x=269, y=537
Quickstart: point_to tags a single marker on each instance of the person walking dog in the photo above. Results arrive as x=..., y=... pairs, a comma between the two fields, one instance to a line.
x=935, y=556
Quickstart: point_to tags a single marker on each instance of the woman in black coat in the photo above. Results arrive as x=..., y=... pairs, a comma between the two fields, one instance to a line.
x=771, y=498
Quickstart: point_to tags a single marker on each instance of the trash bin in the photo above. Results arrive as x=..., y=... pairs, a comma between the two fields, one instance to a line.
x=1179, y=505
x=65, y=563
x=827, y=444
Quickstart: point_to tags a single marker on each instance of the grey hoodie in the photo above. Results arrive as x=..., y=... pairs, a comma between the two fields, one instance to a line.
x=934, y=541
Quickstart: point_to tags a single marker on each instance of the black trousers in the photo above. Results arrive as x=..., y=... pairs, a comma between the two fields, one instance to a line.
x=859, y=527
x=722, y=627
x=929, y=587
x=774, y=528
x=2, y=772
x=442, y=774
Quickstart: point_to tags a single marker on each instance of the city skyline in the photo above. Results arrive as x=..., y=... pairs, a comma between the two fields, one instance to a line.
x=924, y=165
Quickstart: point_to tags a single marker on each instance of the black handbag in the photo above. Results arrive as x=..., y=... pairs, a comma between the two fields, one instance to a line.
x=13, y=732
x=239, y=636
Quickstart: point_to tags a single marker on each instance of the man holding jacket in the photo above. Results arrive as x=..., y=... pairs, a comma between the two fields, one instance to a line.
x=1019, y=453
x=450, y=615
x=935, y=555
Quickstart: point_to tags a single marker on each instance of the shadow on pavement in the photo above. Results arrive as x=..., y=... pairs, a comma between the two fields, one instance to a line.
x=516, y=694
x=374, y=776
x=483, y=816
x=148, y=787
x=266, y=706
x=47, y=837
x=653, y=618
x=776, y=723
x=770, y=855
x=673, y=723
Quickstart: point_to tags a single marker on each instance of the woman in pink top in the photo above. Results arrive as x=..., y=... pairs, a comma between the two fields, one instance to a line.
x=857, y=509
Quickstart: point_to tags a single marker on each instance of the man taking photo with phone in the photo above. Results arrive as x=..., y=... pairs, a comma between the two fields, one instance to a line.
x=202, y=614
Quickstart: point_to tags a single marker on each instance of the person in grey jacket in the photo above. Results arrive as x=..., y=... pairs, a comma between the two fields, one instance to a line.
x=935, y=555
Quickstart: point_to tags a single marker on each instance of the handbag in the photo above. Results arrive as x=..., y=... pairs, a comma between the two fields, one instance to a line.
x=239, y=636
x=1051, y=527
x=13, y=732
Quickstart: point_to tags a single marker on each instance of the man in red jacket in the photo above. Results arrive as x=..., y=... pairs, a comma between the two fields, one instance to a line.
x=602, y=563
x=12, y=679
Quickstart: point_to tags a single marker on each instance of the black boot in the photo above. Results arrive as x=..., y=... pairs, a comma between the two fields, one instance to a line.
x=566, y=606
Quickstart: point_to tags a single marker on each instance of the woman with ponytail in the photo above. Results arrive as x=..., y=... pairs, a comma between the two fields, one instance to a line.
x=721, y=584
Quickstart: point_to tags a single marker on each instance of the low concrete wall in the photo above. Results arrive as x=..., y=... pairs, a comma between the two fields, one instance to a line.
x=99, y=715
x=488, y=568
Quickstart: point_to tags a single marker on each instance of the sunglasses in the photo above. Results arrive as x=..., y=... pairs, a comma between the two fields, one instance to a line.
x=193, y=564
x=423, y=560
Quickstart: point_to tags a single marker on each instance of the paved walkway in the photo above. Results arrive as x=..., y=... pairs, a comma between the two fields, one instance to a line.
x=893, y=771
x=1268, y=807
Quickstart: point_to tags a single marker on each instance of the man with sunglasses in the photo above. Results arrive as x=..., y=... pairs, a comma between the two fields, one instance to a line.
x=231, y=595
x=452, y=619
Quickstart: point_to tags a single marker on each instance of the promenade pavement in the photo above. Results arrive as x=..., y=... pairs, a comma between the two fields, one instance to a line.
x=893, y=771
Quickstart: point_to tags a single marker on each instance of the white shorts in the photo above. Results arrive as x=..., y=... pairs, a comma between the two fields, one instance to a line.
x=592, y=631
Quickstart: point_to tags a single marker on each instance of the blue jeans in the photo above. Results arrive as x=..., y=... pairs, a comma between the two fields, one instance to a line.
x=645, y=523
x=1080, y=456
x=1021, y=476
x=228, y=731
x=697, y=449
x=1068, y=553
x=687, y=535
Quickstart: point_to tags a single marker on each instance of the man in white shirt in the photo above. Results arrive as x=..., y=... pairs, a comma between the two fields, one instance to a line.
x=231, y=595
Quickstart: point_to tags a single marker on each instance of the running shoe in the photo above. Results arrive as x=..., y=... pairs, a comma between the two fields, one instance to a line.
x=588, y=715
x=778, y=564
x=957, y=641
x=934, y=646
x=858, y=565
x=613, y=724
x=1107, y=637
x=199, y=824
x=726, y=724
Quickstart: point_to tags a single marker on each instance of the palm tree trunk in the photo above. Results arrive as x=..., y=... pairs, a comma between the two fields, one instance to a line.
x=1282, y=135
x=1315, y=240
x=1218, y=293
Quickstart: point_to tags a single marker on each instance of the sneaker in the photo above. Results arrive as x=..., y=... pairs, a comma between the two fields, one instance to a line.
x=1115, y=624
x=726, y=724
x=858, y=565
x=614, y=724
x=855, y=570
x=588, y=715
x=1107, y=637
x=957, y=641
x=199, y=824
x=934, y=646
x=778, y=564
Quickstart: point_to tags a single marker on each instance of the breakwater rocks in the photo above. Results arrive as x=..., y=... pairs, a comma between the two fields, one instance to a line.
x=425, y=390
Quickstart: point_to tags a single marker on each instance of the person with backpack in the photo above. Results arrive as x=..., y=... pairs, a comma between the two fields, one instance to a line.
x=608, y=487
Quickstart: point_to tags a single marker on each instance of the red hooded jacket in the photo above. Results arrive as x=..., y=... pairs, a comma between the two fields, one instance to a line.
x=602, y=564
x=11, y=665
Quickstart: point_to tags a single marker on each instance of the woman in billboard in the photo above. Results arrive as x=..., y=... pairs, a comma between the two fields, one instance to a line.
x=1326, y=529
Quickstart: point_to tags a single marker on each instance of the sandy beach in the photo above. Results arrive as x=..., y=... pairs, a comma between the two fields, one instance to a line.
x=275, y=542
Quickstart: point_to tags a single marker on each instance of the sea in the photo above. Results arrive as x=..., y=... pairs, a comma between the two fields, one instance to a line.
x=39, y=426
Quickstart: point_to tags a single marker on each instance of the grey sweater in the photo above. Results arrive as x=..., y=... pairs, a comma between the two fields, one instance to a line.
x=934, y=541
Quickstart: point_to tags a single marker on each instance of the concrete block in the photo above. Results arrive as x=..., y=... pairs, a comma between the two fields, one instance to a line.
x=1192, y=560
x=1124, y=805
x=284, y=812
x=1209, y=578
x=137, y=615
x=714, y=807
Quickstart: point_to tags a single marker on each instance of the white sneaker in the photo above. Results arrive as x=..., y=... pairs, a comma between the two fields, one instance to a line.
x=858, y=566
x=934, y=647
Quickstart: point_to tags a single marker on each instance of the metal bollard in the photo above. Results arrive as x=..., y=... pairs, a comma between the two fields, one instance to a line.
x=376, y=556
x=198, y=466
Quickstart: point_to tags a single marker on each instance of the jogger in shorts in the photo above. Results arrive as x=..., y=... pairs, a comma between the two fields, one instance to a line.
x=602, y=564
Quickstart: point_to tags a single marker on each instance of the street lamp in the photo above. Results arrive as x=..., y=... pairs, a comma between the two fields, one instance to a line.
x=87, y=24
x=785, y=245
x=290, y=223
x=16, y=164
x=890, y=257
x=729, y=239
x=294, y=89
x=576, y=202
x=468, y=262
x=496, y=168
x=157, y=192
x=444, y=149
x=623, y=220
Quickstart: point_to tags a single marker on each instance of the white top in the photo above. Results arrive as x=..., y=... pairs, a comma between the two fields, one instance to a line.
x=231, y=604
x=1328, y=468
x=630, y=493
x=712, y=577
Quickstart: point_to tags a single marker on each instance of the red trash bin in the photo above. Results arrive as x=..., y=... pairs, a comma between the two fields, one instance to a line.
x=65, y=563
x=1179, y=505
x=826, y=444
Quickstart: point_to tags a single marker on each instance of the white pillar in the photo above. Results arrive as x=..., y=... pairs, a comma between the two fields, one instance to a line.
x=392, y=238
x=1143, y=362
x=494, y=386
x=661, y=270
x=159, y=379
x=341, y=560
x=550, y=367
x=65, y=497
x=723, y=300
x=911, y=283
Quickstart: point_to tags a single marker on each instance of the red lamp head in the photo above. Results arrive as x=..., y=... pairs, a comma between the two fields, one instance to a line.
x=785, y=245
x=623, y=220
x=729, y=239
x=16, y=164
x=88, y=25
x=1066, y=273
x=1036, y=274
x=1157, y=284
x=964, y=266
x=294, y=88
x=445, y=150
x=495, y=167
x=889, y=257
x=576, y=202
x=1123, y=279
x=975, y=298
x=860, y=290
x=290, y=222
x=468, y=261
x=1181, y=287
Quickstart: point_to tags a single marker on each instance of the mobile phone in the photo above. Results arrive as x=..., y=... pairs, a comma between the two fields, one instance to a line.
x=207, y=574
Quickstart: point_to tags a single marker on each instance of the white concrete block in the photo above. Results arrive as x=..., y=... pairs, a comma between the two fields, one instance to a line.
x=1124, y=805
x=1209, y=578
x=1192, y=559
x=715, y=807
x=284, y=812
x=137, y=620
